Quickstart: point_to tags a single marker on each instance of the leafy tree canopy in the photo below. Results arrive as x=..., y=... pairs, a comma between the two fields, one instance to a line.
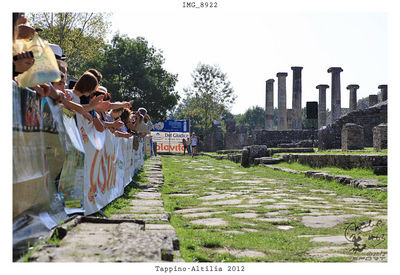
x=132, y=69
x=254, y=116
x=207, y=99
x=80, y=35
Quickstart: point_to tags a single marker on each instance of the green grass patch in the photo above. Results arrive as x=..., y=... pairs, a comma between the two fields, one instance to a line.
x=121, y=204
x=358, y=173
x=201, y=243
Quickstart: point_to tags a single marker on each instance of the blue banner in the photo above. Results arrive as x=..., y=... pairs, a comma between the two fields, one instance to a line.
x=171, y=126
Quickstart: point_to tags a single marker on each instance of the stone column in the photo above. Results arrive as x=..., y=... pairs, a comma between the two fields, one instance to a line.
x=289, y=119
x=383, y=91
x=269, y=104
x=336, y=108
x=353, y=96
x=372, y=100
x=282, y=115
x=322, y=105
x=296, y=100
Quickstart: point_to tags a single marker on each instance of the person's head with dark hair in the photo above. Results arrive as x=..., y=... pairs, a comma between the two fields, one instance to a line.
x=86, y=84
x=142, y=110
x=126, y=113
x=96, y=73
x=60, y=85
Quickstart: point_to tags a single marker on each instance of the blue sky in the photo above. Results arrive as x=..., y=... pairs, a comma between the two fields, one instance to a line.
x=251, y=46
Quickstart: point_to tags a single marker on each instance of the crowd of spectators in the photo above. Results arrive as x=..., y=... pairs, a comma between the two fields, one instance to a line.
x=86, y=97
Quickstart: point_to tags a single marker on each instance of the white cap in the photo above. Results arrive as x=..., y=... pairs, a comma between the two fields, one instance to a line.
x=104, y=89
x=57, y=51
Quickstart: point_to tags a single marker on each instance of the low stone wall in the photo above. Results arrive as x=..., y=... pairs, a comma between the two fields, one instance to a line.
x=273, y=138
x=329, y=137
x=339, y=160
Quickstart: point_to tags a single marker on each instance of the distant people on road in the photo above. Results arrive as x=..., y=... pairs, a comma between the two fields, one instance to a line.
x=184, y=146
x=194, y=140
x=188, y=146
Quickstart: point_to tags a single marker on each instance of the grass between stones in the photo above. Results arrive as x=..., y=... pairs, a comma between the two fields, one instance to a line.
x=121, y=205
x=272, y=199
x=358, y=173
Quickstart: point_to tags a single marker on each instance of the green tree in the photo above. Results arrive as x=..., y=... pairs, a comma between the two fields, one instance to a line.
x=209, y=96
x=132, y=69
x=254, y=116
x=80, y=35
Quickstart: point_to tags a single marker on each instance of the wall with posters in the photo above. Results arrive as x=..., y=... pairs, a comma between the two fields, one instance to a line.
x=169, y=135
x=61, y=166
x=169, y=142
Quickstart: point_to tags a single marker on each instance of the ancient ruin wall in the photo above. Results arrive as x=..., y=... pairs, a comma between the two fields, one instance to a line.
x=273, y=138
x=329, y=137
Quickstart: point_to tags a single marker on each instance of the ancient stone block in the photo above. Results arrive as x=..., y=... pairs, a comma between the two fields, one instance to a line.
x=352, y=137
x=230, y=125
x=380, y=137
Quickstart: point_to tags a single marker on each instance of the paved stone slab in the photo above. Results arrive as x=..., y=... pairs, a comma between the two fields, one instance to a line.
x=152, y=209
x=340, y=239
x=274, y=220
x=148, y=196
x=190, y=210
x=123, y=242
x=223, y=202
x=247, y=205
x=181, y=195
x=149, y=226
x=351, y=200
x=211, y=222
x=252, y=201
x=276, y=206
x=250, y=181
x=277, y=213
x=144, y=217
x=233, y=232
x=153, y=203
x=242, y=253
x=284, y=227
x=250, y=229
x=325, y=221
x=311, y=198
x=204, y=214
x=217, y=197
x=245, y=215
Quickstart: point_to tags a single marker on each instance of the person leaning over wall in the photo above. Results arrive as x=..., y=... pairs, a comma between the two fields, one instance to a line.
x=85, y=86
x=144, y=125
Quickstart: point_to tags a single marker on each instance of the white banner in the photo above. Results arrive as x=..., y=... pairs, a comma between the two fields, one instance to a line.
x=169, y=142
x=108, y=170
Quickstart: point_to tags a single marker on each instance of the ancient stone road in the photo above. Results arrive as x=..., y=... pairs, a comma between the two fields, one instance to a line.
x=258, y=200
x=122, y=240
x=281, y=203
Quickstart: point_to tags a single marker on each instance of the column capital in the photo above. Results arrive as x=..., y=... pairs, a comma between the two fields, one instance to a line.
x=352, y=86
x=335, y=70
x=270, y=80
x=322, y=86
x=296, y=68
x=282, y=74
x=383, y=86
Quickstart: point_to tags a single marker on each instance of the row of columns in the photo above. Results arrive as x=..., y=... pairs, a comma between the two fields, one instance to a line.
x=296, y=112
